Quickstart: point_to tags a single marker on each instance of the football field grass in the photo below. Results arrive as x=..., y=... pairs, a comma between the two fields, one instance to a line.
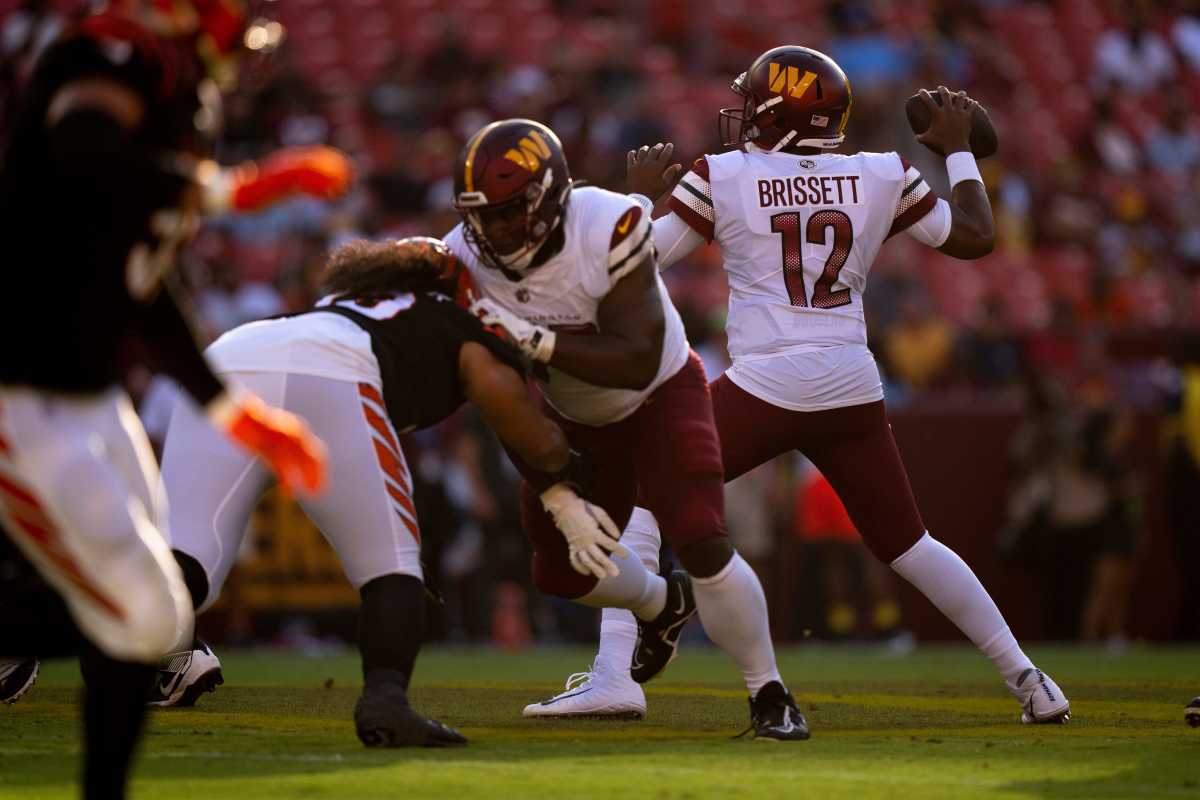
x=934, y=724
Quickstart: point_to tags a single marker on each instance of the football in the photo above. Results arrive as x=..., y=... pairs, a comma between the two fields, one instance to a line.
x=1191, y=714
x=984, y=141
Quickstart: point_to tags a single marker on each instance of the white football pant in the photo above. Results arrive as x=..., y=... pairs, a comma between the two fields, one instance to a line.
x=79, y=494
x=365, y=511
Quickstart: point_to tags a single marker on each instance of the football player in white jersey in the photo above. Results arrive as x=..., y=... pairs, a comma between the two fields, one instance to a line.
x=799, y=227
x=385, y=351
x=571, y=273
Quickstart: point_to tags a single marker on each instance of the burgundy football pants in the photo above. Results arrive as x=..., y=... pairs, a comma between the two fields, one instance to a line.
x=665, y=456
x=851, y=446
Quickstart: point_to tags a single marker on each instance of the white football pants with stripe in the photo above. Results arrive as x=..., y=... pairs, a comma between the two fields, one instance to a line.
x=80, y=496
x=365, y=511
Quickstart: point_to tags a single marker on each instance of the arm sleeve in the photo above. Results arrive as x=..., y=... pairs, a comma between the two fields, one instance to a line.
x=166, y=333
x=631, y=240
x=916, y=200
x=692, y=201
x=673, y=239
x=933, y=229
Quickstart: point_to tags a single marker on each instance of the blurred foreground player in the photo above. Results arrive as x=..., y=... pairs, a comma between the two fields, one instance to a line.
x=799, y=228
x=571, y=274
x=105, y=175
x=386, y=350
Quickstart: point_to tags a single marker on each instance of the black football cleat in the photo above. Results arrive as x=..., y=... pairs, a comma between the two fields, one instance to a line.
x=658, y=639
x=1191, y=713
x=16, y=678
x=774, y=715
x=383, y=717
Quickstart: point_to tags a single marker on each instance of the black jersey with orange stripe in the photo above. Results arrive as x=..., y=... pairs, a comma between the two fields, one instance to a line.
x=416, y=338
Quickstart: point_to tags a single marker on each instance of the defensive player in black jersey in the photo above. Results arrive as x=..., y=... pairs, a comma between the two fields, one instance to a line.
x=382, y=352
x=105, y=173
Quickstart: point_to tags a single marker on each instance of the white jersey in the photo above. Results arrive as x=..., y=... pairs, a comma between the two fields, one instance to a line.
x=606, y=237
x=799, y=235
x=324, y=345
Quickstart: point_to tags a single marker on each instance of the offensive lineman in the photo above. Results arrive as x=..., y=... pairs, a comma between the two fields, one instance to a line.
x=571, y=274
x=100, y=186
x=799, y=228
x=385, y=350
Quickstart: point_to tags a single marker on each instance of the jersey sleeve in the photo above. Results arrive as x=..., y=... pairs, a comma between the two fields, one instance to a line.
x=916, y=199
x=692, y=201
x=630, y=242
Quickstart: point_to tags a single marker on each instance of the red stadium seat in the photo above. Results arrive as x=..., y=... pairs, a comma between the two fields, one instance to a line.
x=1067, y=273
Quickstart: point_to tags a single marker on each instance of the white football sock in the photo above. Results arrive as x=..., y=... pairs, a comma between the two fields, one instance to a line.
x=949, y=583
x=618, y=627
x=618, y=637
x=635, y=588
x=733, y=609
x=643, y=537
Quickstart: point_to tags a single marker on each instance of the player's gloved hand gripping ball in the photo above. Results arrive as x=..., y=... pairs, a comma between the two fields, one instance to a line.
x=927, y=109
x=278, y=437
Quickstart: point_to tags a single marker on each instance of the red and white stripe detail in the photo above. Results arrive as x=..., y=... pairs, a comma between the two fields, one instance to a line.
x=691, y=200
x=24, y=515
x=396, y=477
x=916, y=200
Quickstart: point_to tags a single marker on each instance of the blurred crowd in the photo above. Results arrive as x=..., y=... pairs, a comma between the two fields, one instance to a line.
x=1074, y=324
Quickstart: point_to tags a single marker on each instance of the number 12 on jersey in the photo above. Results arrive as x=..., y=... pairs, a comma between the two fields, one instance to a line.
x=788, y=226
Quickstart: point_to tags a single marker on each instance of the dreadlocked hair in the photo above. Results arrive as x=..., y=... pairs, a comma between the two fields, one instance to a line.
x=363, y=268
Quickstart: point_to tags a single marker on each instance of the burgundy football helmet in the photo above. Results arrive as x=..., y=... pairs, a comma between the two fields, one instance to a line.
x=511, y=186
x=795, y=97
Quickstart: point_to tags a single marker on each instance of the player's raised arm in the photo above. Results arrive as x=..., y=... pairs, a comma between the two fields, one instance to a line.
x=650, y=174
x=962, y=227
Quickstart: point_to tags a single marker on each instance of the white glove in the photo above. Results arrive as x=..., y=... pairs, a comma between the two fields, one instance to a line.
x=588, y=530
x=536, y=342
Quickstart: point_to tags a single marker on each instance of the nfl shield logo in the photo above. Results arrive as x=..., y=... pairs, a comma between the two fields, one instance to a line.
x=522, y=295
x=807, y=163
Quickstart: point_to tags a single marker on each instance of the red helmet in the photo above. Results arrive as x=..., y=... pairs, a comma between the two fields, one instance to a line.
x=452, y=279
x=511, y=185
x=795, y=97
x=218, y=28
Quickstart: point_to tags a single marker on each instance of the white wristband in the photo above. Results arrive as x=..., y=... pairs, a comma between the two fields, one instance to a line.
x=542, y=345
x=961, y=167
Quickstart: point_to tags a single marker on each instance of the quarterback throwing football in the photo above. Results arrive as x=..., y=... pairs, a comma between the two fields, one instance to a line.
x=799, y=227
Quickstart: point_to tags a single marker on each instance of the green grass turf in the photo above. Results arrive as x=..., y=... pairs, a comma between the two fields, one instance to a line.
x=935, y=724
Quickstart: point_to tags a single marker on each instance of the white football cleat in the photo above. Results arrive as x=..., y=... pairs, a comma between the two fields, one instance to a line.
x=1042, y=702
x=600, y=693
x=184, y=676
x=16, y=677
